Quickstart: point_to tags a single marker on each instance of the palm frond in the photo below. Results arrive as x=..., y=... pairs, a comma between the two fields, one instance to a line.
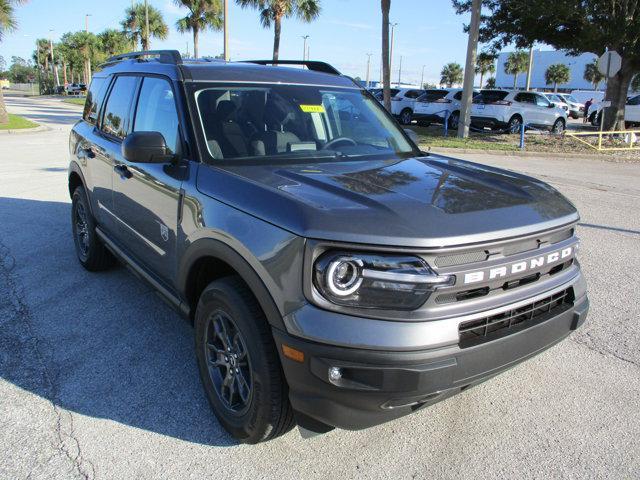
x=307, y=10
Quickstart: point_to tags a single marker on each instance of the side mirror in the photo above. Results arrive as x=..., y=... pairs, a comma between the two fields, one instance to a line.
x=412, y=135
x=552, y=105
x=145, y=147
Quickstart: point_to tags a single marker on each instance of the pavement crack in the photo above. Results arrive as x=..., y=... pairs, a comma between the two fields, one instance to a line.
x=605, y=352
x=66, y=440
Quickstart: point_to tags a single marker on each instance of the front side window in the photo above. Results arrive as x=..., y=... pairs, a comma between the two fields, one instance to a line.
x=116, y=113
x=542, y=102
x=268, y=123
x=156, y=111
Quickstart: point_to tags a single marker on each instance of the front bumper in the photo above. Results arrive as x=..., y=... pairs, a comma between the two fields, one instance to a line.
x=377, y=386
x=428, y=117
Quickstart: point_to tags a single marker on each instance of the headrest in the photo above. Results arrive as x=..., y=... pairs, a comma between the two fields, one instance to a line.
x=225, y=109
x=276, y=115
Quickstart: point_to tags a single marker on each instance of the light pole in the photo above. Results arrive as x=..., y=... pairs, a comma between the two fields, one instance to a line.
x=86, y=22
x=304, y=46
x=530, y=68
x=393, y=27
x=368, y=68
x=226, y=30
x=422, y=77
x=469, y=71
x=400, y=71
x=53, y=61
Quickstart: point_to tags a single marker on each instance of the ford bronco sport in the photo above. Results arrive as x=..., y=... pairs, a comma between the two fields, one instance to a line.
x=336, y=275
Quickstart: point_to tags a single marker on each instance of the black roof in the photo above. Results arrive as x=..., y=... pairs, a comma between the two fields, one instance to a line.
x=170, y=63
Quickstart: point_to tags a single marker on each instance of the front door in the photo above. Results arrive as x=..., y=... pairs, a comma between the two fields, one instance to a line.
x=146, y=195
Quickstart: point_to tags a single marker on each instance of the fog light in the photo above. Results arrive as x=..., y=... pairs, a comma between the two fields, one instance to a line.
x=335, y=374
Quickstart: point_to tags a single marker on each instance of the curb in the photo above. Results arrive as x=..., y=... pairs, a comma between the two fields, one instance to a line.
x=39, y=128
x=525, y=153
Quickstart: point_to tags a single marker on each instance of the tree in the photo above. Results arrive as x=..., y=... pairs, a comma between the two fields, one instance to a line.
x=557, y=73
x=88, y=45
x=21, y=71
x=491, y=83
x=3, y=63
x=517, y=62
x=577, y=26
x=203, y=14
x=386, y=68
x=451, y=73
x=592, y=74
x=135, y=26
x=113, y=42
x=485, y=63
x=7, y=23
x=273, y=11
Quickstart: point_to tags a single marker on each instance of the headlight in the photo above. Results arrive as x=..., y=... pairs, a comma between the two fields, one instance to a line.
x=376, y=280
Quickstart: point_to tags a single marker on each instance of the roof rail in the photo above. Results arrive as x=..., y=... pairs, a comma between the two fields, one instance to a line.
x=164, y=56
x=310, y=64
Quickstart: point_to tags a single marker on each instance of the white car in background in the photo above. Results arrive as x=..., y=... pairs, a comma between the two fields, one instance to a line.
x=437, y=105
x=631, y=112
x=557, y=101
x=508, y=110
x=402, y=103
x=576, y=109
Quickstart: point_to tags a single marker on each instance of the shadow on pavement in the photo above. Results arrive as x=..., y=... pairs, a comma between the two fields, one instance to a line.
x=97, y=344
x=613, y=229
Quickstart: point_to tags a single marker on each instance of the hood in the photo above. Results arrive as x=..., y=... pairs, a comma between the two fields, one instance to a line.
x=431, y=201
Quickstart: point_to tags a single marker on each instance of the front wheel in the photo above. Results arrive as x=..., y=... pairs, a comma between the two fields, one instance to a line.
x=406, y=116
x=515, y=124
x=454, y=120
x=239, y=365
x=558, y=126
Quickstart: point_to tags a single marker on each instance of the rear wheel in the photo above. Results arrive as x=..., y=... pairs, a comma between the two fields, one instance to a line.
x=454, y=120
x=91, y=252
x=558, y=126
x=515, y=124
x=239, y=365
x=406, y=116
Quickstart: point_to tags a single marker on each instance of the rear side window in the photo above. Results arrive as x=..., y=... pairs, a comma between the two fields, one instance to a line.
x=433, y=95
x=491, y=96
x=393, y=92
x=634, y=101
x=156, y=111
x=413, y=94
x=116, y=113
x=95, y=97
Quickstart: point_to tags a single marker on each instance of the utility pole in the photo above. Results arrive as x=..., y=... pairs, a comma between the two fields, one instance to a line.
x=469, y=71
x=226, y=30
x=53, y=61
x=146, y=24
x=308, y=48
x=400, y=71
x=188, y=55
x=366, y=83
x=393, y=27
x=529, y=70
x=304, y=47
x=86, y=22
x=422, y=77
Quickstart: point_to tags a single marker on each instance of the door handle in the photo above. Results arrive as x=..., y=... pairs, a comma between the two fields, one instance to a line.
x=123, y=171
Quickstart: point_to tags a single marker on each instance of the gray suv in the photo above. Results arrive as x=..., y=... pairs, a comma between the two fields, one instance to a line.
x=336, y=276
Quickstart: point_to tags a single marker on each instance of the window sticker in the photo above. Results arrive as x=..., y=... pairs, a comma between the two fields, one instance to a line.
x=312, y=108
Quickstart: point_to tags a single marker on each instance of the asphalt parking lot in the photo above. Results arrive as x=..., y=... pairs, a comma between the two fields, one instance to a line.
x=98, y=377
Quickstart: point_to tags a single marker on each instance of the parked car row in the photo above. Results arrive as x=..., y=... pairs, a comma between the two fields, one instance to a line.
x=631, y=112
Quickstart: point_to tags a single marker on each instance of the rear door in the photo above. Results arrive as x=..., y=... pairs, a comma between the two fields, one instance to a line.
x=632, y=110
x=146, y=195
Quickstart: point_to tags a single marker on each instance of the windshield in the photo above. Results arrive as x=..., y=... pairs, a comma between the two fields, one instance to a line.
x=268, y=123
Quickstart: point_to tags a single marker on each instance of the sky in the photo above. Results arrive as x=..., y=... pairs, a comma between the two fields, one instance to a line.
x=429, y=33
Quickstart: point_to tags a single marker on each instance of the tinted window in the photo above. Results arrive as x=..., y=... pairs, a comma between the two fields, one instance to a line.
x=156, y=111
x=413, y=94
x=634, y=101
x=432, y=95
x=95, y=96
x=525, y=98
x=542, y=101
x=491, y=96
x=116, y=112
x=393, y=92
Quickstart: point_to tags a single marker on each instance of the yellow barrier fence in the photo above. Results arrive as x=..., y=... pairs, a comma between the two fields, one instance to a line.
x=631, y=137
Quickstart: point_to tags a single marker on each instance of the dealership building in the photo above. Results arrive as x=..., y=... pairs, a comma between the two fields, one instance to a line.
x=541, y=61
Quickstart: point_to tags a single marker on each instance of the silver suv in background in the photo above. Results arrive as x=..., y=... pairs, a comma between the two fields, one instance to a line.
x=403, y=102
x=508, y=110
x=576, y=108
x=437, y=105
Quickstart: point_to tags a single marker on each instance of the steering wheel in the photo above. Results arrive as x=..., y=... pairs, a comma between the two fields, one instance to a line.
x=338, y=141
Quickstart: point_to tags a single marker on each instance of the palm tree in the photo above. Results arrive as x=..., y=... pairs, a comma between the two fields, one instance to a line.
x=135, y=25
x=203, y=14
x=593, y=75
x=7, y=24
x=386, y=72
x=517, y=62
x=491, y=82
x=88, y=45
x=273, y=11
x=485, y=63
x=451, y=73
x=557, y=73
x=113, y=42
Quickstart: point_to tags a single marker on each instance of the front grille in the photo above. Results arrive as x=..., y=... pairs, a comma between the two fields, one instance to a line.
x=489, y=328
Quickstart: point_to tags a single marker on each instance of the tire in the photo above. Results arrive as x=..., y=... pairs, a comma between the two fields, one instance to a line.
x=454, y=120
x=264, y=411
x=406, y=116
x=514, y=125
x=91, y=252
x=558, y=126
x=594, y=118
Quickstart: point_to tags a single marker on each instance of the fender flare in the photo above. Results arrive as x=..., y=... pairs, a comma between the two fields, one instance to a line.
x=209, y=247
x=74, y=168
